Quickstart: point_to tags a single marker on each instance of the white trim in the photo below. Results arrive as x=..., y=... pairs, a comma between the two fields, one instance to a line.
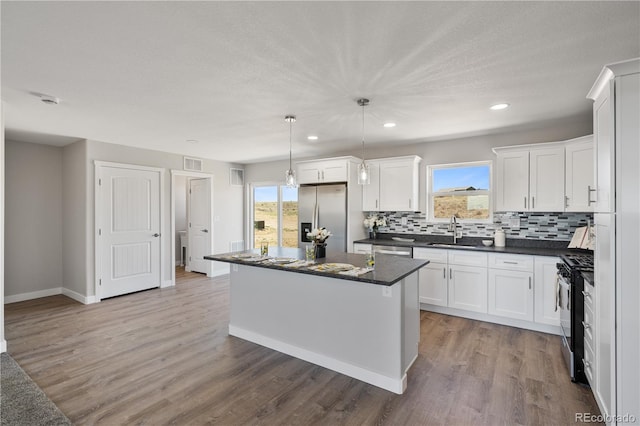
x=32, y=295
x=85, y=300
x=167, y=283
x=221, y=272
x=98, y=220
x=527, y=325
x=3, y=345
x=396, y=385
x=172, y=218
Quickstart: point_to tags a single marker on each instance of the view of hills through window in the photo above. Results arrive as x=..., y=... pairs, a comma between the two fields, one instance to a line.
x=462, y=191
x=265, y=215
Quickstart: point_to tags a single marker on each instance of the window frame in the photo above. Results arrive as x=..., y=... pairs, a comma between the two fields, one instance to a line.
x=430, y=194
x=250, y=243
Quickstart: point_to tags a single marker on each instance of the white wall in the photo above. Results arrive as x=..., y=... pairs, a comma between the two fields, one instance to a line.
x=33, y=211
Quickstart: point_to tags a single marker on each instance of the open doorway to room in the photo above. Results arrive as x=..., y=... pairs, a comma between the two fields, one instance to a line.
x=274, y=215
x=192, y=221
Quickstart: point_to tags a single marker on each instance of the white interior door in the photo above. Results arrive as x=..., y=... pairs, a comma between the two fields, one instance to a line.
x=129, y=230
x=199, y=218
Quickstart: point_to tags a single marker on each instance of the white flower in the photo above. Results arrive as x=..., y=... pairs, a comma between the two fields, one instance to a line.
x=374, y=221
x=318, y=235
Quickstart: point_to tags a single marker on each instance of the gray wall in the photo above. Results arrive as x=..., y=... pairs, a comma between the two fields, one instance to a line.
x=3, y=343
x=474, y=148
x=33, y=237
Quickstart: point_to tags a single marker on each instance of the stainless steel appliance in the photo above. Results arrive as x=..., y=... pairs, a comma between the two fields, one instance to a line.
x=394, y=250
x=323, y=206
x=570, y=302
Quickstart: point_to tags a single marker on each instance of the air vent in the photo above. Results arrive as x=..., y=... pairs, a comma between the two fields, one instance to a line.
x=236, y=177
x=237, y=245
x=193, y=164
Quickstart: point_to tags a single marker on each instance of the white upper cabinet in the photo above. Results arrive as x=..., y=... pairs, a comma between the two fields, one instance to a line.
x=604, y=152
x=394, y=184
x=323, y=171
x=579, y=175
x=546, y=177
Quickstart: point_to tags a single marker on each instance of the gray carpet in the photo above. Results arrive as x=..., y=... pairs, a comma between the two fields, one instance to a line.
x=22, y=402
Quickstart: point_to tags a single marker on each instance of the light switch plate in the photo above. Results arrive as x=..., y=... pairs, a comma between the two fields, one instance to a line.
x=514, y=223
x=403, y=220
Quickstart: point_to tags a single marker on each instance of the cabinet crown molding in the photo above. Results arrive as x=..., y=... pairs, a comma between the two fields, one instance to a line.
x=534, y=146
x=344, y=158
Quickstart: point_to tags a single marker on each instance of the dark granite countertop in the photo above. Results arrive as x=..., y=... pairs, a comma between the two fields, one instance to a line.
x=388, y=269
x=514, y=246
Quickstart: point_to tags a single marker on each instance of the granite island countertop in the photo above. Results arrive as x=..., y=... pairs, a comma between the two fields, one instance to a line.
x=388, y=269
x=514, y=246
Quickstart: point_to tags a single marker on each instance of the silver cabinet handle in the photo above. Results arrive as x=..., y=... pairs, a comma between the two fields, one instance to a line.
x=586, y=363
x=586, y=325
x=156, y=235
x=589, y=191
x=450, y=273
x=376, y=204
x=566, y=201
x=444, y=273
x=533, y=202
x=529, y=283
x=205, y=230
x=509, y=262
x=586, y=294
x=323, y=175
x=525, y=202
x=318, y=174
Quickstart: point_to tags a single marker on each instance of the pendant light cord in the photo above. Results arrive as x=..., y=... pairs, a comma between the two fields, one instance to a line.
x=290, y=130
x=363, y=104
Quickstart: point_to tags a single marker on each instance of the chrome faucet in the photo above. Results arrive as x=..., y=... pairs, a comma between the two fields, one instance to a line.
x=453, y=226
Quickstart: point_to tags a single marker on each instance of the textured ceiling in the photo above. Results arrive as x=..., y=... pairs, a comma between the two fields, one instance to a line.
x=156, y=74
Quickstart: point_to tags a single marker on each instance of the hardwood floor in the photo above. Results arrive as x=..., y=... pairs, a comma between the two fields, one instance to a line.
x=164, y=357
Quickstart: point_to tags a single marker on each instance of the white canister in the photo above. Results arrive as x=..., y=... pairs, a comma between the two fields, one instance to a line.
x=500, y=238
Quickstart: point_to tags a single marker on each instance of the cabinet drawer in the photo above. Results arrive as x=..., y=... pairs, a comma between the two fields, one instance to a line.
x=589, y=362
x=589, y=293
x=468, y=258
x=434, y=255
x=588, y=324
x=512, y=262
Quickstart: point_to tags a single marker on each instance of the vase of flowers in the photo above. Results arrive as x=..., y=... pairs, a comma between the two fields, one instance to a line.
x=372, y=222
x=319, y=239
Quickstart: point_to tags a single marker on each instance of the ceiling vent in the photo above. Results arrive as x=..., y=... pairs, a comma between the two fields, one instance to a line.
x=236, y=177
x=193, y=164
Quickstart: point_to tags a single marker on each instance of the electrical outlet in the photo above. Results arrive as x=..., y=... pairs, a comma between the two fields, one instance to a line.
x=235, y=268
x=386, y=291
x=514, y=223
x=403, y=220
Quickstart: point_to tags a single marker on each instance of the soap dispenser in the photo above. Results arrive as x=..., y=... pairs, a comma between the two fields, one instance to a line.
x=500, y=238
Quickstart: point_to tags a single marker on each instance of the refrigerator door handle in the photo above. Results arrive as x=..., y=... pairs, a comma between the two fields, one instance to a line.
x=316, y=216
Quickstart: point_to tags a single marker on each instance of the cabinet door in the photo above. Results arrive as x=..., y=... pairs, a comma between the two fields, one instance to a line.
x=512, y=181
x=468, y=288
x=371, y=192
x=308, y=173
x=511, y=294
x=433, y=284
x=397, y=186
x=579, y=175
x=604, y=152
x=546, y=291
x=334, y=171
x=546, y=177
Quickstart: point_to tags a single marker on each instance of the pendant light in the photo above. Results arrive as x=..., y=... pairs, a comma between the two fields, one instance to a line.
x=290, y=175
x=363, y=168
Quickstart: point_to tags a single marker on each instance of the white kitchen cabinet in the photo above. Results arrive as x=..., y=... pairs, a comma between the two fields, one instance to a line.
x=371, y=192
x=323, y=171
x=361, y=248
x=530, y=179
x=394, y=184
x=545, y=291
x=511, y=294
x=604, y=152
x=579, y=175
x=432, y=278
x=468, y=288
x=589, y=326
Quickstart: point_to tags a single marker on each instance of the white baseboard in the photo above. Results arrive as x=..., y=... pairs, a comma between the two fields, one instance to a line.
x=32, y=295
x=167, y=283
x=395, y=385
x=544, y=328
x=219, y=273
x=3, y=345
x=85, y=300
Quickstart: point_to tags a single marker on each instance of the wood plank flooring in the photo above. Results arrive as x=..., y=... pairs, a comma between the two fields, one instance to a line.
x=163, y=356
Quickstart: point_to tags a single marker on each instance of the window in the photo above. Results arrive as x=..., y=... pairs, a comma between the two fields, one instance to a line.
x=462, y=190
x=275, y=215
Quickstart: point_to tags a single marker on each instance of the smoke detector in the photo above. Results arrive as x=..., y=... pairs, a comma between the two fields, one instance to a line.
x=49, y=100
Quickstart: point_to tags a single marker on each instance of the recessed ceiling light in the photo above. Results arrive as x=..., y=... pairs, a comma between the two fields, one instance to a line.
x=497, y=107
x=389, y=125
x=192, y=141
x=312, y=138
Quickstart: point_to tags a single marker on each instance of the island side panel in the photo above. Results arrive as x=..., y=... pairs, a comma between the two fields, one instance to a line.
x=351, y=327
x=411, y=320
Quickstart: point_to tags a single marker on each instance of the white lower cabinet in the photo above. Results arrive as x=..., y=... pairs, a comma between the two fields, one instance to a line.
x=546, y=291
x=433, y=284
x=468, y=288
x=511, y=294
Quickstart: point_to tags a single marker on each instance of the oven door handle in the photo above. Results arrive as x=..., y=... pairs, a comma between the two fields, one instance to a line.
x=562, y=285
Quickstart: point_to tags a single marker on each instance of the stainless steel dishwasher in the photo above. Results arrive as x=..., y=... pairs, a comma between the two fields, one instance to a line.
x=394, y=250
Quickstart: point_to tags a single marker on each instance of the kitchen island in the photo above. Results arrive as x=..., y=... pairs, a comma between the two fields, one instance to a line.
x=365, y=326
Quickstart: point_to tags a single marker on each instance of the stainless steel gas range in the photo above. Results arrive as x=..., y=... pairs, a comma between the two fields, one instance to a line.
x=570, y=302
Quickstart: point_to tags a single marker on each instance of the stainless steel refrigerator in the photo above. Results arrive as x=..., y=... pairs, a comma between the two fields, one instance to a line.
x=323, y=206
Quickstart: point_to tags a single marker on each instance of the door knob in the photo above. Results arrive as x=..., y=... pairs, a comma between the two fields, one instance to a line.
x=156, y=235
x=205, y=230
